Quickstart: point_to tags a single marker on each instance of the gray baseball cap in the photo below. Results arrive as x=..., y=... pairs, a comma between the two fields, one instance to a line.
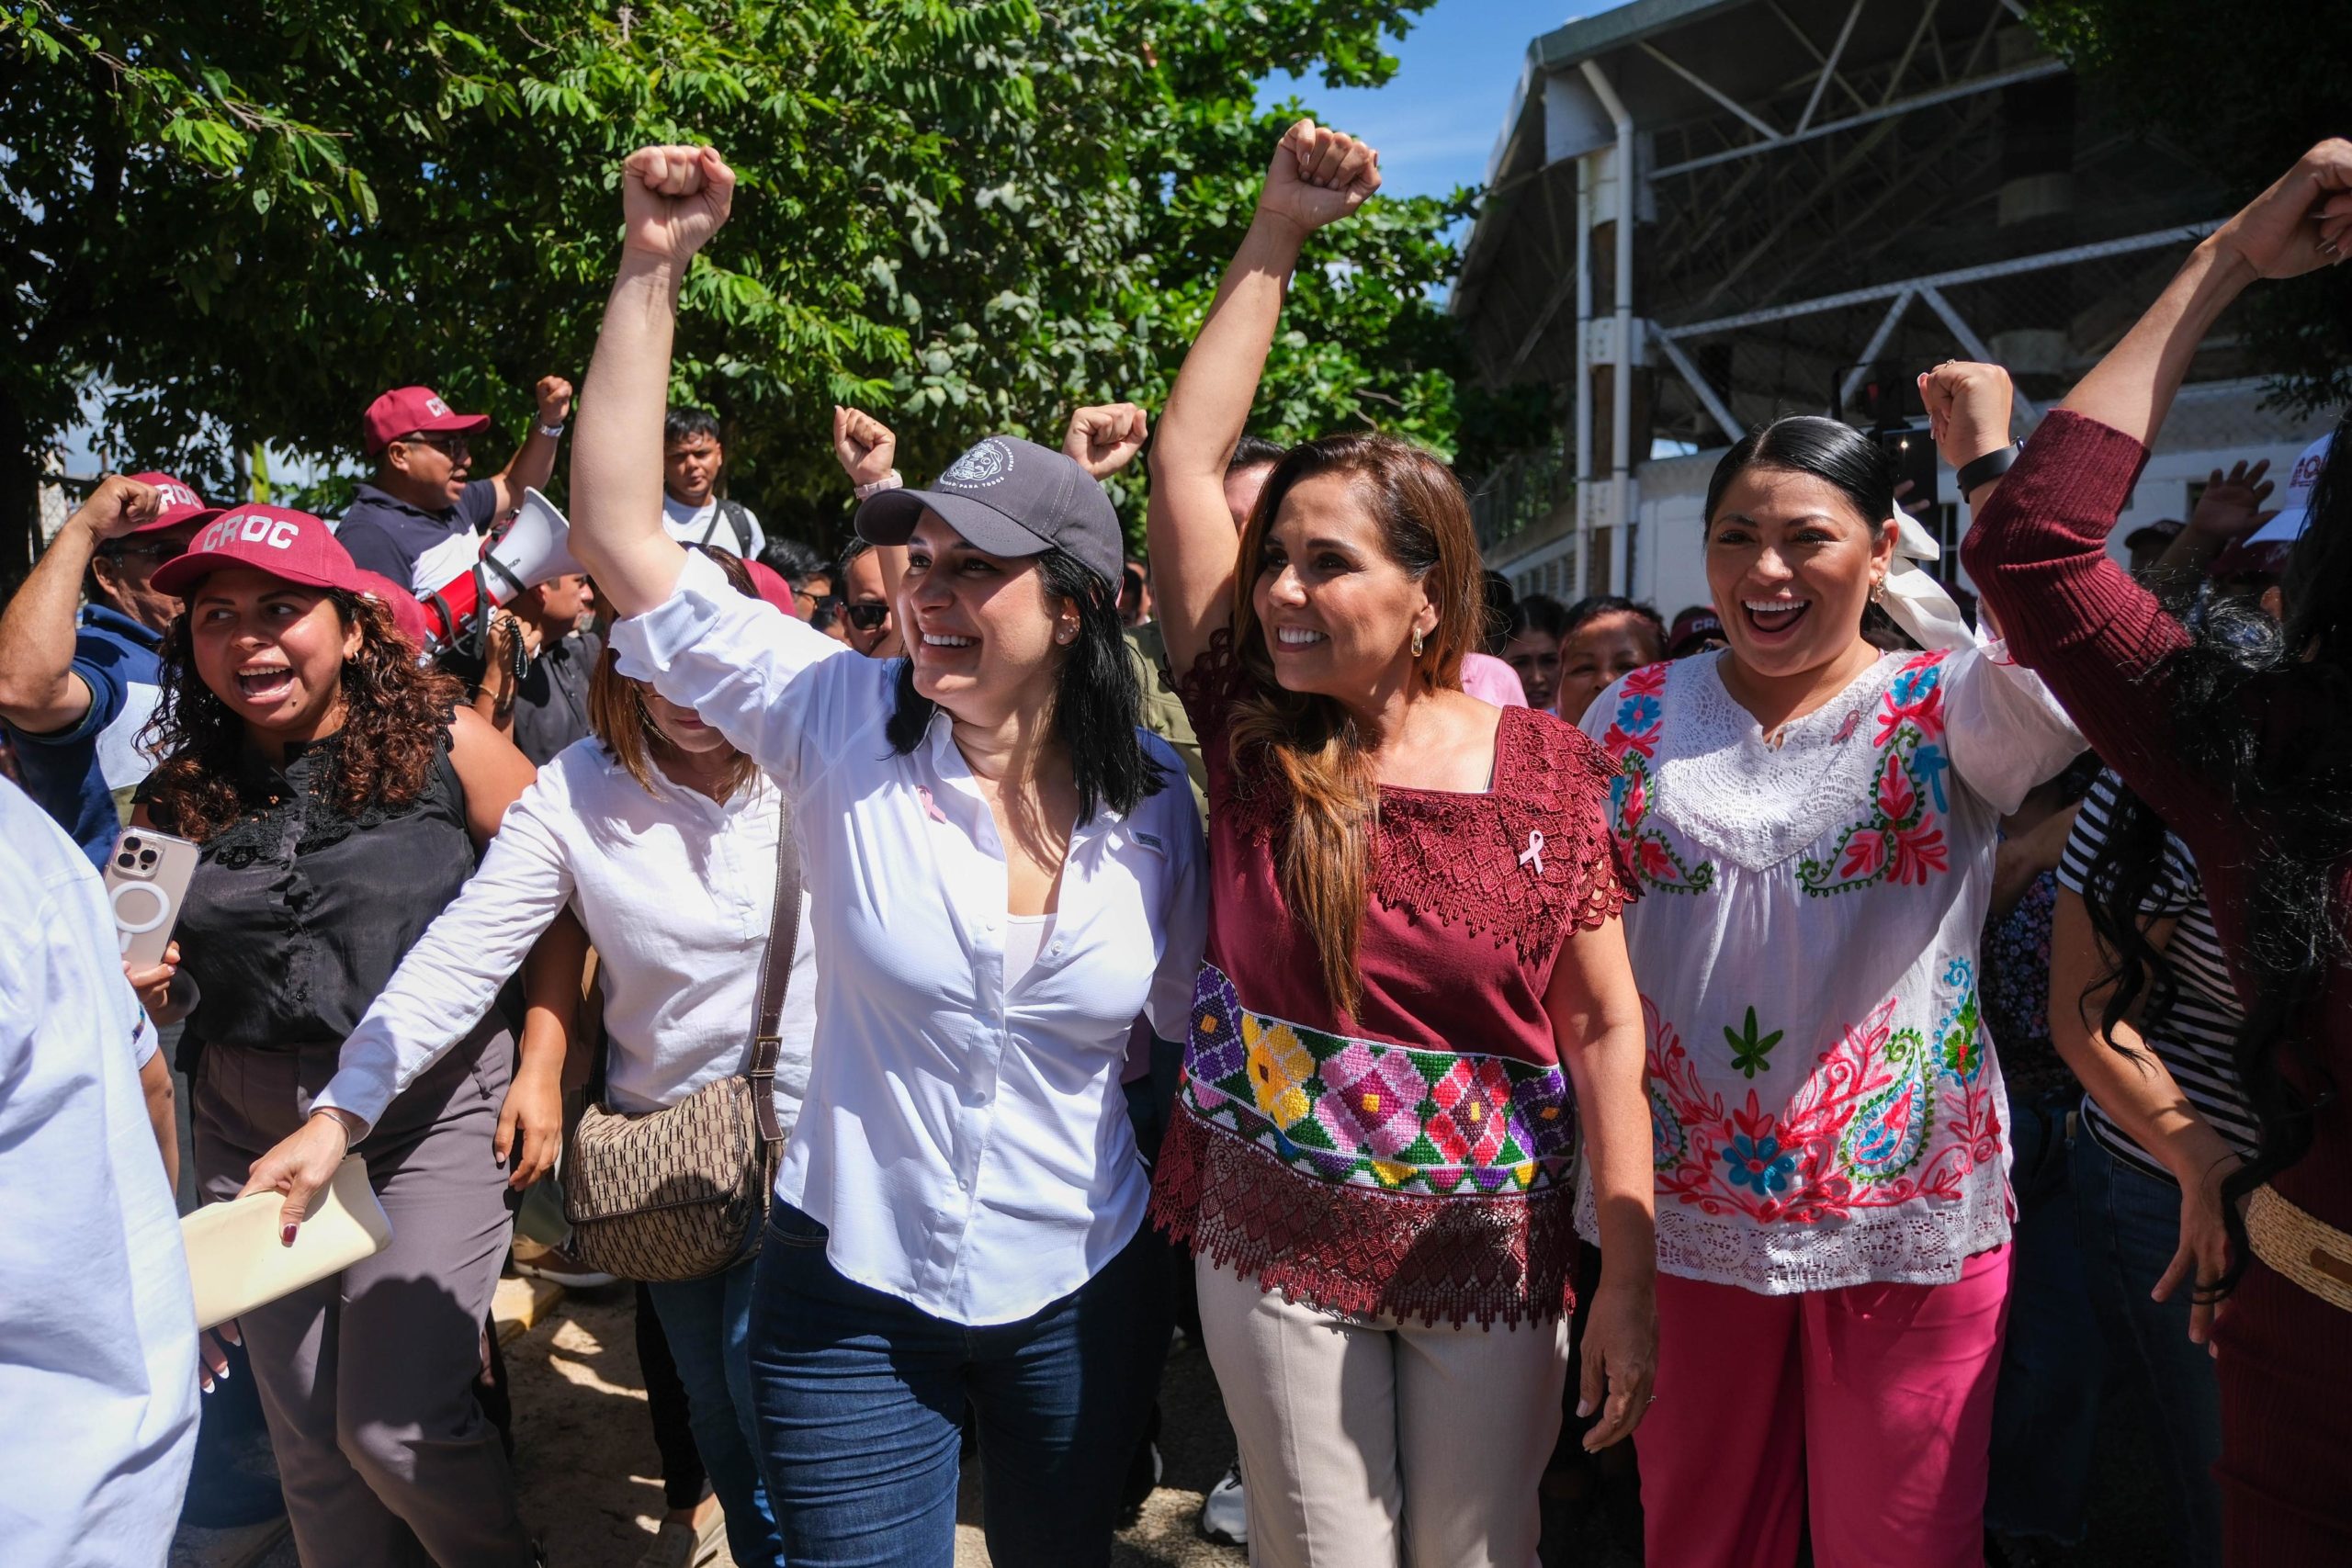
x=1009, y=497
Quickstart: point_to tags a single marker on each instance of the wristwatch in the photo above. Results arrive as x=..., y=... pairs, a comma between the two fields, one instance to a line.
x=1985, y=469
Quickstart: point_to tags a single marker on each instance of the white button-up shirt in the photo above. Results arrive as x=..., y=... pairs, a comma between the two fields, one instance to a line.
x=98, y=1332
x=964, y=1141
x=677, y=893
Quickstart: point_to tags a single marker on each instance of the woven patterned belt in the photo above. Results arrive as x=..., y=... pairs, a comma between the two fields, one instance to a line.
x=2302, y=1246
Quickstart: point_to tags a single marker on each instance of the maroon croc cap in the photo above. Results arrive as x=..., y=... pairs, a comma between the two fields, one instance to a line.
x=275, y=539
x=406, y=409
x=181, y=504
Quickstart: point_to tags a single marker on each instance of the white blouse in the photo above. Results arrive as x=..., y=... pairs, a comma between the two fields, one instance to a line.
x=1825, y=1106
x=964, y=1137
x=677, y=893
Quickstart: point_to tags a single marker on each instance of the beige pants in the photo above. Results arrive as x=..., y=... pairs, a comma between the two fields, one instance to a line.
x=1388, y=1444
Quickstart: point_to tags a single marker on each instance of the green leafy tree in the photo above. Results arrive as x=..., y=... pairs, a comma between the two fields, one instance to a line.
x=238, y=222
x=2245, y=88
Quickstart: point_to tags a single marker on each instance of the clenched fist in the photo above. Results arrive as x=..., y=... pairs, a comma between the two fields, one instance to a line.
x=1319, y=176
x=673, y=199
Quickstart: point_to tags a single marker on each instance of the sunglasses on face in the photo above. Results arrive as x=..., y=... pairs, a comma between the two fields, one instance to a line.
x=454, y=448
x=865, y=617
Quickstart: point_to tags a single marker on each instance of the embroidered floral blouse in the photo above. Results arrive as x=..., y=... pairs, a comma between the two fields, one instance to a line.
x=1824, y=1105
x=1415, y=1159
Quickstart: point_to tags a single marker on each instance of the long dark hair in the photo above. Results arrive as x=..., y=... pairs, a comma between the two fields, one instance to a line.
x=2123, y=877
x=1307, y=745
x=395, y=712
x=1096, y=696
x=1830, y=451
x=2296, y=800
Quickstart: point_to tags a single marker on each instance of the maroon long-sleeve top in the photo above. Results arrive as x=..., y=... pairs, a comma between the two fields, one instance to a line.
x=2105, y=646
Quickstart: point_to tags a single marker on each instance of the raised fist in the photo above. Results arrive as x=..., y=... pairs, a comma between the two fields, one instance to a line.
x=1105, y=438
x=1319, y=176
x=1967, y=409
x=673, y=199
x=118, y=505
x=2303, y=221
x=864, y=446
x=554, y=396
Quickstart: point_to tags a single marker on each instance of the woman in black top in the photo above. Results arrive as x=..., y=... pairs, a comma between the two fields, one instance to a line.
x=339, y=795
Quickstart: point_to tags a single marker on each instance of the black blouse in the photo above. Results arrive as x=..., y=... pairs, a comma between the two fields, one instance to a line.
x=298, y=914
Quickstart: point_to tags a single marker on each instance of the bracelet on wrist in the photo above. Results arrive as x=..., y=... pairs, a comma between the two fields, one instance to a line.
x=552, y=432
x=1985, y=469
x=888, y=482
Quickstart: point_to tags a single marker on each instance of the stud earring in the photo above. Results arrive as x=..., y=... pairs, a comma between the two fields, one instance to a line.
x=1416, y=642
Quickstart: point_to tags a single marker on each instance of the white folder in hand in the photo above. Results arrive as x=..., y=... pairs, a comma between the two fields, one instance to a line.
x=236, y=1262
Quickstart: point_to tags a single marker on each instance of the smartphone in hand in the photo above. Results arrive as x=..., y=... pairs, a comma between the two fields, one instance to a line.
x=147, y=877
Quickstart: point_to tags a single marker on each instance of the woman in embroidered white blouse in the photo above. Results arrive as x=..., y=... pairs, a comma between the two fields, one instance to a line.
x=1002, y=879
x=1814, y=824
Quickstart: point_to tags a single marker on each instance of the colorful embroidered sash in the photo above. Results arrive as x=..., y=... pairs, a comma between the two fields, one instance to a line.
x=1368, y=1177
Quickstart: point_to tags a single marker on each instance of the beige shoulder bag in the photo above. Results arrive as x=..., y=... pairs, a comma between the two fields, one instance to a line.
x=682, y=1193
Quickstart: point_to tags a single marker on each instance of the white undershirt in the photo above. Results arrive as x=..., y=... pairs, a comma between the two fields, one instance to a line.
x=1025, y=939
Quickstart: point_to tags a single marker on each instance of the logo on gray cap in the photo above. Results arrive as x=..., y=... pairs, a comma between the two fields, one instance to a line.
x=981, y=465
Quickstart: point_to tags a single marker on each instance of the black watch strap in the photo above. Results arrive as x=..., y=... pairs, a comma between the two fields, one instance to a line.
x=1985, y=469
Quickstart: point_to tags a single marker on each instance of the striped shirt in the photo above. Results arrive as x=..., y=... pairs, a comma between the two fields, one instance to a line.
x=2192, y=1035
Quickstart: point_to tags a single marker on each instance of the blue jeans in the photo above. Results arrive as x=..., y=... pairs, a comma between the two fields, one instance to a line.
x=708, y=1323
x=861, y=1396
x=2130, y=1228
x=2053, y=1362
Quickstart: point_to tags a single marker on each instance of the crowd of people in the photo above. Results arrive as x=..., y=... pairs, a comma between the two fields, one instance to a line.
x=1824, y=1039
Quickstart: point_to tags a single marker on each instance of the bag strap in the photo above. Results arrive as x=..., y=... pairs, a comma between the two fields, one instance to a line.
x=775, y=975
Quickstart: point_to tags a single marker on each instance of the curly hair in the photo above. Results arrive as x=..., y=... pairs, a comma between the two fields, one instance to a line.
x=395, y=714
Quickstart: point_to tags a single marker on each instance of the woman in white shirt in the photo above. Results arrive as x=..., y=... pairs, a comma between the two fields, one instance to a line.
x=1002, y=879
x=1814, y=824
x=662, y=838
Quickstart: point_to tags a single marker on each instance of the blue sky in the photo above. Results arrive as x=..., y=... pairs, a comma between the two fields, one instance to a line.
x=1437, y=119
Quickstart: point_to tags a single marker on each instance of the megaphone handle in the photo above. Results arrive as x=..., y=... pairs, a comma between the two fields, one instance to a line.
x=515, y=585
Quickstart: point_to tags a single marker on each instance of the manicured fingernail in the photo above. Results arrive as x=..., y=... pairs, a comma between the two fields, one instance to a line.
x=285, y=1235
x=1584, y=1408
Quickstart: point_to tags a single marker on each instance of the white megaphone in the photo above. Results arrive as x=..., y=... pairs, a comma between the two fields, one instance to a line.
x=530, y=552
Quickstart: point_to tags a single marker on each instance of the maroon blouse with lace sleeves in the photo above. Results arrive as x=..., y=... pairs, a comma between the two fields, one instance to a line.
x=1415, y=1159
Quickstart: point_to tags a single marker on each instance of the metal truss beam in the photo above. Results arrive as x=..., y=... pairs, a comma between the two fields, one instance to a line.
x=2020, y=406
x=2067, y=257
x=1768, y=132
x=1878, y=340
x=2032, y=71
x=1828, y=68
x=1708, y=399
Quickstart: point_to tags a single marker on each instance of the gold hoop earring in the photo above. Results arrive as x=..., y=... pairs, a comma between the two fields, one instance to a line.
x=1416, y=642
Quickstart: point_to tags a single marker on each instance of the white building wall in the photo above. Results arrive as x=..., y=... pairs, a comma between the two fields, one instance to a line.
x=2210, y=428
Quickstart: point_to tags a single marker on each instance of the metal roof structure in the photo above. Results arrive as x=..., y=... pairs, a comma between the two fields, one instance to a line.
x=1803, y=167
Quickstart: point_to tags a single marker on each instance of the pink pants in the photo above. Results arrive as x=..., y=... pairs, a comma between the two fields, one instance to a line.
x=1869, y=1406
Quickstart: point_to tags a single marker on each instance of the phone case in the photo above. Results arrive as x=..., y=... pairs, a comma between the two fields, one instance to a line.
x=147, y=877
x=236, y=1262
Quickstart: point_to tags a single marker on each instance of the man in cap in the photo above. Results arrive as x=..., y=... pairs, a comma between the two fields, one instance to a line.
x=1695, y=630
x=75, y=693
x=421, y=520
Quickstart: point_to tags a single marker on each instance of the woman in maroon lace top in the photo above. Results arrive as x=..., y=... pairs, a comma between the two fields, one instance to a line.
x=1415, y=980
x=2247, y=754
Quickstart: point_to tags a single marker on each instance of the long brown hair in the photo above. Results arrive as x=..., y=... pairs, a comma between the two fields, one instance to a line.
x=395, y=712
x=618, y=717
x=1306, y=746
